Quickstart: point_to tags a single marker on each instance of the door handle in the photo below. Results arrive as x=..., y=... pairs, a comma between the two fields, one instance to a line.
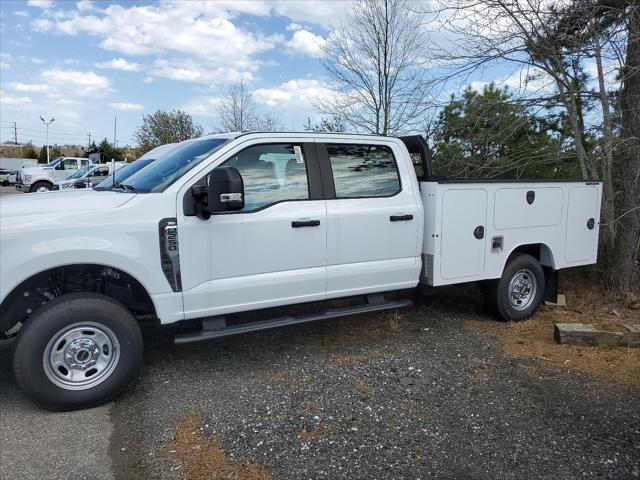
x=305, y=223
x=400, y=218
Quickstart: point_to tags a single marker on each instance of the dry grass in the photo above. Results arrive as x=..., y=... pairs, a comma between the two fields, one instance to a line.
x=586, y=303
x=202, y=459
x=534, y=338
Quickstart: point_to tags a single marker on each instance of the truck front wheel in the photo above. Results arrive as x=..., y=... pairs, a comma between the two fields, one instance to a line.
x=40, y=187
x=517, y=294
x=77, y=351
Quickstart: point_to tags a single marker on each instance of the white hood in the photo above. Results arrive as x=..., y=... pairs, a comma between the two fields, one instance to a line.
x=63, y=201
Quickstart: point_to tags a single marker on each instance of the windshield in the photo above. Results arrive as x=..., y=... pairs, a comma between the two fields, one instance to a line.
x=164, y=171
x=53, y=163
x=124, y=173
x=82, y=172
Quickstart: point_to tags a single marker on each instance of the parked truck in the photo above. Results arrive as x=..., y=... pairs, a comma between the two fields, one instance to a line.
x=41, y=178
x=228, y=234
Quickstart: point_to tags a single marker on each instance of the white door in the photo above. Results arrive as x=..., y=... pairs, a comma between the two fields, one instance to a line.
x=372, y=223
x=463, y=239
x=68, y=167
x=271, y=253
x=582, y=224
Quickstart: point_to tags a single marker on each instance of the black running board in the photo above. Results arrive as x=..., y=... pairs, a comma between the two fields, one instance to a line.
x=219, y=330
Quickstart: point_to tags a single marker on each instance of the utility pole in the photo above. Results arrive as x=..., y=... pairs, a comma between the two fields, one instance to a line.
x=15, y=133
x=115, y=122
x=47, y=123
x=89, y=144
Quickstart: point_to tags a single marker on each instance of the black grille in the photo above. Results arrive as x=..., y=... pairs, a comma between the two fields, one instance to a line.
x=169, y=252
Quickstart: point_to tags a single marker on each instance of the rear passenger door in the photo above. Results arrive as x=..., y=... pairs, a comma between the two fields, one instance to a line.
x=373, y=218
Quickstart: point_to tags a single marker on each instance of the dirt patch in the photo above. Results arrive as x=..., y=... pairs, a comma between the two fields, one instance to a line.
x=534, y=338
x=201, y=458
x=587, y=302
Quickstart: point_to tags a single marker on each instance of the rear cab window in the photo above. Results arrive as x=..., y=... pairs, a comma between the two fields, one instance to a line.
x=361, y=170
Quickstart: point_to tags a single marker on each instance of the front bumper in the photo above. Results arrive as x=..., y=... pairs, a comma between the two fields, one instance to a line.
x=23, y=188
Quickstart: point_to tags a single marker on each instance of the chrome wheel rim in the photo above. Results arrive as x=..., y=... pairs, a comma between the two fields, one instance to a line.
x=81, y=356
x=522, y=289
x=42, y=189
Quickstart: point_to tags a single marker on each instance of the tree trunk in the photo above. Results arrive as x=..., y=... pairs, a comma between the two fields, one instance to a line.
x=628, y=238
x=609, y=231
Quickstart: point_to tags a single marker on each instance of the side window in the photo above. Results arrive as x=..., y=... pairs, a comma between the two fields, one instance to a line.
x=100, y=172
x=271, y=173
x=84, y=162
x=70, y=164
x=363, y=170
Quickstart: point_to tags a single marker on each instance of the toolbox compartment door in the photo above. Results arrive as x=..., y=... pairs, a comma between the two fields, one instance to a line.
x=582, y=224
x=531, y=206
x=464, y=211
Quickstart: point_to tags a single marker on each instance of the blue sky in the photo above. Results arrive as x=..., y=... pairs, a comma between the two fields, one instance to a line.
x=86, y=62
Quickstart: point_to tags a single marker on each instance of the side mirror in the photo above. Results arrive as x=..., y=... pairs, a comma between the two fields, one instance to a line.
x=225, y=191
x=59, y=166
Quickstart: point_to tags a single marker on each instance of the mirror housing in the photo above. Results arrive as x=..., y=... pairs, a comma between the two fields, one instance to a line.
x=225, y=190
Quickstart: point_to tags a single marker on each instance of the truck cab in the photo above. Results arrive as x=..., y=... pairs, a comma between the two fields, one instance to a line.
x=234, y=233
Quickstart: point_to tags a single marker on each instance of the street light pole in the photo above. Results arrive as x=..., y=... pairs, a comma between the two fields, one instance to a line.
x=47, y=123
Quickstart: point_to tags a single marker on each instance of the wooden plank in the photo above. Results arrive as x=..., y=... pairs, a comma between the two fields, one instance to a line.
x=586, y=334
x=632, y=328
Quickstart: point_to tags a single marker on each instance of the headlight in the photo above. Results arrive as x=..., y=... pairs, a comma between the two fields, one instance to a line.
x=27, y=178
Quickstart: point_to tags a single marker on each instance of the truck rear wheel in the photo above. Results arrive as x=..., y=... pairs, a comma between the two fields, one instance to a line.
x=518, y=293
x=77, y=351
x=40, y=187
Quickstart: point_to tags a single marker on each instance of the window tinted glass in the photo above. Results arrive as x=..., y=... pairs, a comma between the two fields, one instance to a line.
x=363, y=170
x=124, y=173
x=271, y=173
x=70, y=164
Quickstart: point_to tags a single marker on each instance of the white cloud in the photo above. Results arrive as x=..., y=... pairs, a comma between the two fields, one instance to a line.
x=43, y=4
x=4, y=65
x=292, y=27
x=84, y=5
x=199, y=34
x=127, y=107
x=76, y=82
x=202, y=106
x=28, y=87
x=293, y=96
x=119, y=64
x=5, y=58
x=320, y=12
x=36, y=60
x=21, y=13
x=190, y=70
x=148, y=80
x=307, y=43
x=11, y=102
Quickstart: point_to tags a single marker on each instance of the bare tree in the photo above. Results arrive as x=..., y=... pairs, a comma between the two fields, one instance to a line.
x=374, y=63
x=237, y=110
x=269, y=123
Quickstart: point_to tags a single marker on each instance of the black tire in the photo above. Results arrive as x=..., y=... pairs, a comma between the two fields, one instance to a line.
x=42, y=183
x=48, y=322
x=498, y=297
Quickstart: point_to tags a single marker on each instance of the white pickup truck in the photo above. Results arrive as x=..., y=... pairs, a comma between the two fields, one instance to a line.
x=42, y=178
x=223, y=228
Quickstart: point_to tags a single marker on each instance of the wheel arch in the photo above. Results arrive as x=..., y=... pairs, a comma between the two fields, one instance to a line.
x=39, y=288
x=539, y=251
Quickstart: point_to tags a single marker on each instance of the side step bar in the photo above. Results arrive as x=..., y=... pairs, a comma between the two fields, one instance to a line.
x=216, y=327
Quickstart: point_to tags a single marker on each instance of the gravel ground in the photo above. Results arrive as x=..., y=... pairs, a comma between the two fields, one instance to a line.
x=414, y=395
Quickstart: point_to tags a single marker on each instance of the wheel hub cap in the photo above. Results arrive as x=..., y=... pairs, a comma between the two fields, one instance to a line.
x=522, y=289
x=81, y=356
